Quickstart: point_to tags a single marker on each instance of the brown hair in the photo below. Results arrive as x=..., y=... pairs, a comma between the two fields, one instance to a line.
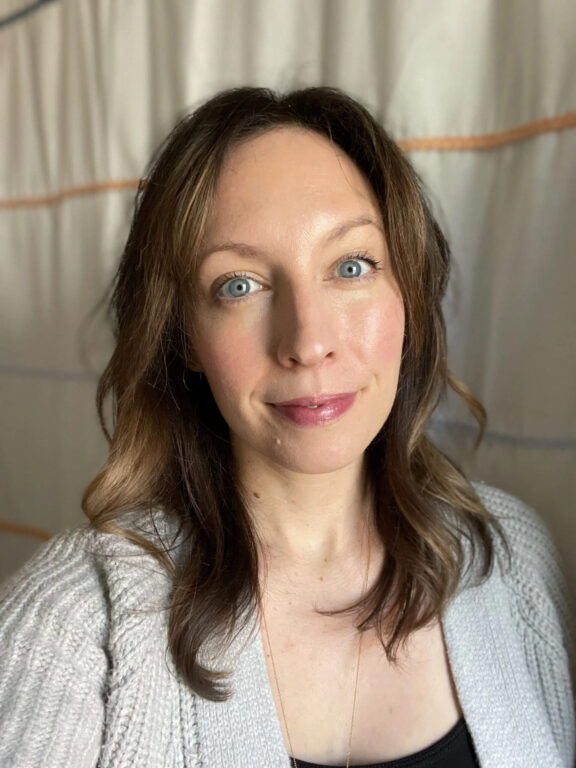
x=170, y=447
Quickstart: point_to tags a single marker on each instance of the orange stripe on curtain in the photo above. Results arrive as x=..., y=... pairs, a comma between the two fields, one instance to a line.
x=491, y=140
x=423, y=144
x=57, y=197
x=24, y=530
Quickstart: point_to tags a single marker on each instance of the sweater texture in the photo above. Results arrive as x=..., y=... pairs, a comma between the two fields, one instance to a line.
x=86, y=678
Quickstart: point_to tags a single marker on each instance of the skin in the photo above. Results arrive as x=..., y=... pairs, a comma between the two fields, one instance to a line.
x=303, y=328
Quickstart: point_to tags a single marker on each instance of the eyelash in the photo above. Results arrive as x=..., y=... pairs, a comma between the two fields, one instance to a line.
x=235, y=275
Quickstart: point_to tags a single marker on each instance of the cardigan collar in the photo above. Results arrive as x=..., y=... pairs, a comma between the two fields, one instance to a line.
x=503, y=710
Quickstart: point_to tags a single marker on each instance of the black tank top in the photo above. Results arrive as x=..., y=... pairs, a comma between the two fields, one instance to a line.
x=454, y=750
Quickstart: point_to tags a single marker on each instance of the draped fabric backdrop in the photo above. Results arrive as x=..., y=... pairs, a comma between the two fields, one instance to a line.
x=481, y=95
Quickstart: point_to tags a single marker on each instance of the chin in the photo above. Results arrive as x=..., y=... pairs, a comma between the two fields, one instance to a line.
x=319, y=460
x=310, y=452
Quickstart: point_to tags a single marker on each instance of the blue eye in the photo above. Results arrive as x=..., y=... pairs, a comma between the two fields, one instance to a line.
x=353, y=267
x=236, y=287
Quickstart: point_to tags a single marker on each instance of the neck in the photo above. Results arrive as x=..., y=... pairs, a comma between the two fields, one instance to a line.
x=306, y=519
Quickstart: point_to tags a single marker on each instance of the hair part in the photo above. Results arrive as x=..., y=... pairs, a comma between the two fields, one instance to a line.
x=170, y=446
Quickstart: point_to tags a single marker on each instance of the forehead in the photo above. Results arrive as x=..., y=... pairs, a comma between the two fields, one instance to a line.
x=288, y=173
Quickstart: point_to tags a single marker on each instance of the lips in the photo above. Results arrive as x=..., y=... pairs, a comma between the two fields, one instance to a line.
x=315, y=411
x=314, y=400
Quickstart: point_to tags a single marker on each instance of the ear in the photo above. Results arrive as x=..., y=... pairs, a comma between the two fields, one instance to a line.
x=191, y=377
x=194, y=366
x=191, y=360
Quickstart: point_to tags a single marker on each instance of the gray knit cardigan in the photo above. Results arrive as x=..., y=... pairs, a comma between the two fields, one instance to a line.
x=86, y=679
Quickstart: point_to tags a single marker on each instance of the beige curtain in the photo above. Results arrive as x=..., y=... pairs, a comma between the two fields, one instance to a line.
x=481, y=95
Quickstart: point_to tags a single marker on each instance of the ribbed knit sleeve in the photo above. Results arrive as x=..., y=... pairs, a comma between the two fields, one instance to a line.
x=538, y=589
x=53, y=630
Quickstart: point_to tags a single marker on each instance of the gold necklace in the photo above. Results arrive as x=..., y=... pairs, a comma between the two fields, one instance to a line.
x=295, y=764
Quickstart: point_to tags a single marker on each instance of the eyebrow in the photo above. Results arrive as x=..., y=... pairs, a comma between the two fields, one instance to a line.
x=243, y=249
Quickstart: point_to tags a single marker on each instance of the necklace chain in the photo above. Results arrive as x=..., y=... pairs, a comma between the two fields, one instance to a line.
x=283, y=711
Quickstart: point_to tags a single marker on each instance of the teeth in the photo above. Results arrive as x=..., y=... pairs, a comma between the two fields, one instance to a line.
x=312, y=406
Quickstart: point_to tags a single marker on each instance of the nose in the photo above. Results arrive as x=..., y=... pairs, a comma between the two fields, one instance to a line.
x=306, y=327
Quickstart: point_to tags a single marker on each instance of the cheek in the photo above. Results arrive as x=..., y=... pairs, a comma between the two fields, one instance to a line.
x=228, y=355
x=380, y=331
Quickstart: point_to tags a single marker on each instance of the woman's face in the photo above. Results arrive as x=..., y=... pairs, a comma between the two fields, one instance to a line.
x=296, y=299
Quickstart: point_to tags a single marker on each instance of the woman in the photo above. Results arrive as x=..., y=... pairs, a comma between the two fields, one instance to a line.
x=280, y=567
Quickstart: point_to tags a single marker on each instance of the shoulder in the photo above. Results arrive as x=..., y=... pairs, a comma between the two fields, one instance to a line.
x=532, y=572
x=81, y=631
x=76, y=580
x=53, y=630
x=520, y=520
x=534, y=557
x=59, y=582
x=531, y=591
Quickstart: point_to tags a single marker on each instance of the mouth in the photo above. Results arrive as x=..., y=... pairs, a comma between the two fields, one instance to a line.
x=314, y=401
x=314, y=411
